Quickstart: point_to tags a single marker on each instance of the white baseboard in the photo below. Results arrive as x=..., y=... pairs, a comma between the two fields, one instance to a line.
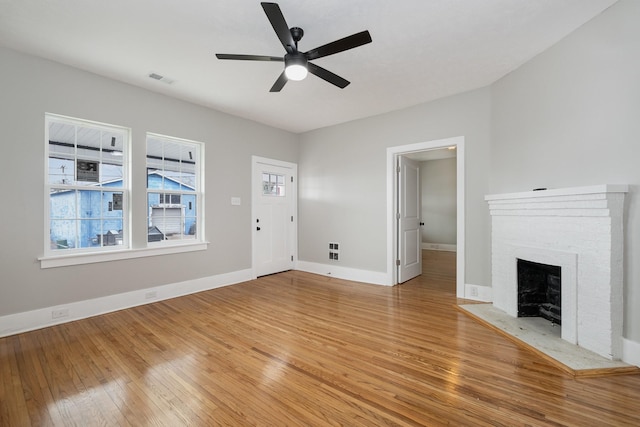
x=439, y=247
x=478, y=293
x=41, y=318
x=374, y=277
x=630, y=352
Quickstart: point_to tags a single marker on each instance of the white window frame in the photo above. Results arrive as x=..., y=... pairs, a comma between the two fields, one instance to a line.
x=131, y=249
x=125, y=188
x=198, y=192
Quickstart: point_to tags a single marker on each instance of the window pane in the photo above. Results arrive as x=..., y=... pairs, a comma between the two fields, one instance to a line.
x=273, y=185
x=88, y=155
x=89, y=233
x=60, y=171
x=154, y=199
x=62, y=234
x=112, y=204
x=90, y=203
x=112, y=153
x=167, y=220
x=111, y=234
x=62, y=203
x=190, y=216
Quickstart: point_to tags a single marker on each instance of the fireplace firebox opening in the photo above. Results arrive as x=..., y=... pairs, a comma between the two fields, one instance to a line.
x=539, y=291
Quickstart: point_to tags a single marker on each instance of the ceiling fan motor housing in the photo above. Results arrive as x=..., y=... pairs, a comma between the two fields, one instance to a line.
x=295, y=58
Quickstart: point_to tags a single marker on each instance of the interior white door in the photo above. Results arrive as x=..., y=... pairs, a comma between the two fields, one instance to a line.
x=409, y=206
x=273, y=218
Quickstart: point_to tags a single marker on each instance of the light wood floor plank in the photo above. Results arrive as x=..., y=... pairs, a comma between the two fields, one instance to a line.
x=302, y=350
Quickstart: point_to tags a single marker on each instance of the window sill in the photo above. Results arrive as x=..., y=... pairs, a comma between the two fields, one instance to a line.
x=89, y=258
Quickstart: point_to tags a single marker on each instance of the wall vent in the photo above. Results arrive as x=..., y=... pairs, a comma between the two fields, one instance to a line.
x=334, y=251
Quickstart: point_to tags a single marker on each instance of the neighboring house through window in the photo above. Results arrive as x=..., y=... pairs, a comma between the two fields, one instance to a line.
x=174, y=189
x=88, y=193
x=88, y=189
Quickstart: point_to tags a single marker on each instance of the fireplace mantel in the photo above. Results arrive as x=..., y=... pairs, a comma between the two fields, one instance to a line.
x=561, y=192
x=579, y=229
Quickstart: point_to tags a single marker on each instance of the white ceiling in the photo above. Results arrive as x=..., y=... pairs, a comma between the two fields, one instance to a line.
x=421, y=50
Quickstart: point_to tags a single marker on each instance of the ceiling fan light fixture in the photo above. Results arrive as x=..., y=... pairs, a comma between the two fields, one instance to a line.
x=295, y=67
x=296, y=72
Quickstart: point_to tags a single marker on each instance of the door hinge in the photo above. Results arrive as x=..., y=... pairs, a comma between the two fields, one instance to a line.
x=398, y=215
x=398, y=169
x=291, y=258
x=397, y=262
x=292, y=179
x=291, y=218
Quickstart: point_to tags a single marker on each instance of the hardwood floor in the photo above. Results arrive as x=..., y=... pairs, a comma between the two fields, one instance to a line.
x=298, y=349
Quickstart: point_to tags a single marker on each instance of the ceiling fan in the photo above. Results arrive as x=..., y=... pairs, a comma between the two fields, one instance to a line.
x=297, y=63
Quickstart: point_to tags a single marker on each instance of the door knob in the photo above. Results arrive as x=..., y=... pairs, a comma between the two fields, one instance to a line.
x=258, y=228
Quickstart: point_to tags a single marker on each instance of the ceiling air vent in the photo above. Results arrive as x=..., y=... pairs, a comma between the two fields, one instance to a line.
x=161, y=78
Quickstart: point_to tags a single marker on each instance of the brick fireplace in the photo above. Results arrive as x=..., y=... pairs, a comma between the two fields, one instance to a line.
x=579, y=230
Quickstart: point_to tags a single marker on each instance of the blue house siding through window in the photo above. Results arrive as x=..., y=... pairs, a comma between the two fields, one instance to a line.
x=98, y=222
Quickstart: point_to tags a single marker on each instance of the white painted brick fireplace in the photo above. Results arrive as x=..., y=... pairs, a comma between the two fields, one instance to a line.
x=579, y=229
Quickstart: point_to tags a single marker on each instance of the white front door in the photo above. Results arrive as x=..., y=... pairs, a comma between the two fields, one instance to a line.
x=273, y=216
x=409, y=206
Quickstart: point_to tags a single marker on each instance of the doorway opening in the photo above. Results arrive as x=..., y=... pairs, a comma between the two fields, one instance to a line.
x=393, y=194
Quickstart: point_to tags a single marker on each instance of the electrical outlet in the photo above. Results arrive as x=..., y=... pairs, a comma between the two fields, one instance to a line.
x=151, y=295
x=59, y=314
x=474, y=291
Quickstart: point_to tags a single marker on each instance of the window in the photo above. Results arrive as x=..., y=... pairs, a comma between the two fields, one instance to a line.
x=273, y=185
x=174, y=195
x=87, y=187
x=170, y=199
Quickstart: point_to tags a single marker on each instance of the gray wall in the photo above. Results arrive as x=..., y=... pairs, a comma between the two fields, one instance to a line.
x=342, y=181
x=567, y=118
x=438, y=182
x=30, y=87
x=571, y=117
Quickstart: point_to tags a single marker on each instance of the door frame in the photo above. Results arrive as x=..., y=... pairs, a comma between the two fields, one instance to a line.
x=392, y=210
x=255, y=160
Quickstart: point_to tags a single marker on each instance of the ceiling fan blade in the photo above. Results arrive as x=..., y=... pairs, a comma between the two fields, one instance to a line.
x=341, y=45
x=279, y=84
x=279, y=26
x=249, y=57
x=327, y=75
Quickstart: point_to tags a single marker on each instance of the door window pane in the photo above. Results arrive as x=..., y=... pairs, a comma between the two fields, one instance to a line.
x=273, y=184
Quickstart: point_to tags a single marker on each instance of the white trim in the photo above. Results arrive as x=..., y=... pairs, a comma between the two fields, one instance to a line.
x=478, y=292
x=392, y=153
x=439, y=247
x=254, y=201
x=631, y=352
x=346, y=273
x=116, y=255
x=41, y=318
